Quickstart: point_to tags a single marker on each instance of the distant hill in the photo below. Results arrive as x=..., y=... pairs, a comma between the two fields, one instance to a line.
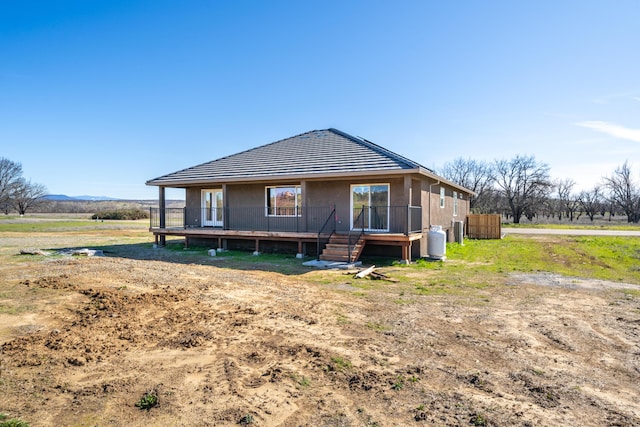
x=95, y=198
x=57, y=197
x=64, y=197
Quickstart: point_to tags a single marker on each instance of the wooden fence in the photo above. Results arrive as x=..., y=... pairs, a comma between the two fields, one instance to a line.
x=484, y=226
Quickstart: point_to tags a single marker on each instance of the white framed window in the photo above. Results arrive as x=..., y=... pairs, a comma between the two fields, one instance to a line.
x=455, y=203
x=283, y=200
x=370, y=206
x=441, y=197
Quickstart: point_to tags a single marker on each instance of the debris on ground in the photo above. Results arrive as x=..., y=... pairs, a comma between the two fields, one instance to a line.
x=374, y=274
x=68, y=252
x=365, y=272
x=31, y=251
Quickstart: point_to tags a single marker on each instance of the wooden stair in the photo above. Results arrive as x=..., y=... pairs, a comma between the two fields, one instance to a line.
x=338, y=249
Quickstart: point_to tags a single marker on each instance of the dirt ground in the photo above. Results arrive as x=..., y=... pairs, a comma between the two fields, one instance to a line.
x=223, y=346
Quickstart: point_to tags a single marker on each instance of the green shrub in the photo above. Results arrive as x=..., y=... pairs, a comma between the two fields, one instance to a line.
x=122, y=214
x=6, y=422
x=147, y=401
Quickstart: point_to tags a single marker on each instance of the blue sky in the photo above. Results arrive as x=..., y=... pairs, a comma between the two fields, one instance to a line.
x=98, y=97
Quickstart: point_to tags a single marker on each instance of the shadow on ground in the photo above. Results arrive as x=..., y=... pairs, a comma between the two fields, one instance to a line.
x=174, y=252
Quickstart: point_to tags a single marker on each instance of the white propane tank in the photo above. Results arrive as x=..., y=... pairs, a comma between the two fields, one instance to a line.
x=436, y=242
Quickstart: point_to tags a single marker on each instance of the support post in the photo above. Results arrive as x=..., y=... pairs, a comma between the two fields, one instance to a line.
x=162, y=208
x=408, y=190
x=406, y=257
x=225, y=208
x=300, y=253
x=302, y=219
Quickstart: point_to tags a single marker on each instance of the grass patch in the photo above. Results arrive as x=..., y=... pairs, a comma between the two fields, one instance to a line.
x=398, y=384
x=245, y=260
x=148, y=401
x=576, y=226
x=460, y=287
x=5, y=421
x=343, y=320
x=47, y=226
x=635, y=293
x=377, y=326
x=477, y=262
x=246, y=420
x=14, y=309
x=29, y=225
x=301, y=380
x=339, y=363
x=469, y=268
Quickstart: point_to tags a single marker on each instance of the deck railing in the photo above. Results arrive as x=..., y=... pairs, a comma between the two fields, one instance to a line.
x=373, y=219
x=329, y=227
x=357, y=230
x=174, y=217
x=388, y=219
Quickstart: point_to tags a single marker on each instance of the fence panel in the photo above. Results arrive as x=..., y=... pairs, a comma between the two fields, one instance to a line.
x=484, y=226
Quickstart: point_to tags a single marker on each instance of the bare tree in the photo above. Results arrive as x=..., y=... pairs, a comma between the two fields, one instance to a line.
x=27, y=195
x=568, y=202
x=624, y=192
x=10, y=173
x=6, y=205
x=548, y=208
x=474, y=175
x=591, y=202
x=524, y=183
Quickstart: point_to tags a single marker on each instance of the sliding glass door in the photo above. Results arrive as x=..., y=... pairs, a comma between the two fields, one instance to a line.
x=370, y=207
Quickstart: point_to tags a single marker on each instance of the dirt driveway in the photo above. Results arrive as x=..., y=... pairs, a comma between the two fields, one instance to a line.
x=83, y=340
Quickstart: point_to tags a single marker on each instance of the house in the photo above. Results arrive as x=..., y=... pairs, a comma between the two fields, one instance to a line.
x=322, y=192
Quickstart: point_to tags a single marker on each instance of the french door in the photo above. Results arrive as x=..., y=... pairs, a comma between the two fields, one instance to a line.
x=212, y=208
x=370, y=207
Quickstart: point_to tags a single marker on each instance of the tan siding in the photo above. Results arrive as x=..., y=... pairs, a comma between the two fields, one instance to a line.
x=246, y=195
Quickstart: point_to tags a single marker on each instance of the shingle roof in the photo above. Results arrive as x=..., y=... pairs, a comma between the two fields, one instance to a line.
x=321, y=152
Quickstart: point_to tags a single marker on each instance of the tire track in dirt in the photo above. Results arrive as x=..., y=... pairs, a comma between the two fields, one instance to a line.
x=220, y=346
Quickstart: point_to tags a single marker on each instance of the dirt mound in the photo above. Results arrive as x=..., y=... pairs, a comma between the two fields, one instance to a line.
x=230, y=347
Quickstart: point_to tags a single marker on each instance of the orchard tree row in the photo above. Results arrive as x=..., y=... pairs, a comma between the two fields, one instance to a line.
x=523, y=187
x=16, y=193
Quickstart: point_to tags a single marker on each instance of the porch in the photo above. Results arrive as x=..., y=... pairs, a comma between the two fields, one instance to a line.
x=368, y=225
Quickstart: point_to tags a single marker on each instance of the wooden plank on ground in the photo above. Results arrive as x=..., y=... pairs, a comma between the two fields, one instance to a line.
x=365, y=272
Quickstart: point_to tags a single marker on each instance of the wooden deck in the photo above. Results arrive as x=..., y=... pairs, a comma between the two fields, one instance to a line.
x=386, y=239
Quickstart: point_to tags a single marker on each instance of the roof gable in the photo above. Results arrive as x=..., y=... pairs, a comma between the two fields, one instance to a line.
x=320, y=152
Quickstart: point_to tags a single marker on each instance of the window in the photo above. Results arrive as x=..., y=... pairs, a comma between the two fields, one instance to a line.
x=442, y=197
x=370, y=206
x=283, y=201
x=455, y=203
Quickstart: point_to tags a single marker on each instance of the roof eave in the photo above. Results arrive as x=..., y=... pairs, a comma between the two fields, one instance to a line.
x=179, y=183
x=183, y=183
x=428, y=173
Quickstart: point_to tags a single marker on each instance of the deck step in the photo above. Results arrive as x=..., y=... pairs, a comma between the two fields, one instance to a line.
x=335, y=252
x=344, y=258
x=337, y=249
x=343, y=240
